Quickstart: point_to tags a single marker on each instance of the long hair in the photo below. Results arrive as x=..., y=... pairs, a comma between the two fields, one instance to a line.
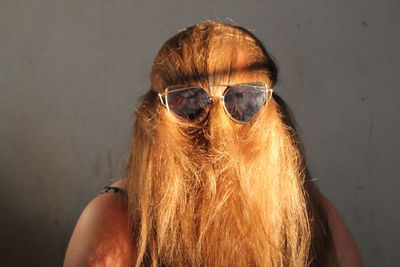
x=220, y=193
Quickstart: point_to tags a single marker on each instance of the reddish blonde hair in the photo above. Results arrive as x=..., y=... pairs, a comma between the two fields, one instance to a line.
x=220, y=193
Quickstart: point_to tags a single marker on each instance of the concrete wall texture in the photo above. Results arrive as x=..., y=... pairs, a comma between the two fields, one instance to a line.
x=71, y=73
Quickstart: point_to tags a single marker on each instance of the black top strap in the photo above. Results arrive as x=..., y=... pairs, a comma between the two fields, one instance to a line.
x=112, y=189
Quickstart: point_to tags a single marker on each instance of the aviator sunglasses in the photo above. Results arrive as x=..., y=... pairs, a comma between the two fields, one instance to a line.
x=192, y=103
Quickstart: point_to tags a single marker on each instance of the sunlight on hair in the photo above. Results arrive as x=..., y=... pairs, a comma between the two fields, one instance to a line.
x=219, y=193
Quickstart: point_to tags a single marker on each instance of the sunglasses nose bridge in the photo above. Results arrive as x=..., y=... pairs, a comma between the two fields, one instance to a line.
x=217, y=96
x=217, y=99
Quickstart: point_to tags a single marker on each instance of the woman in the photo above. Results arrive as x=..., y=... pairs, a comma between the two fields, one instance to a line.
x=216, y=176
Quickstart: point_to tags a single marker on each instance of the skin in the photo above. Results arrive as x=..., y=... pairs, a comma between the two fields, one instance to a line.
x=346, y=247
x=100, y=237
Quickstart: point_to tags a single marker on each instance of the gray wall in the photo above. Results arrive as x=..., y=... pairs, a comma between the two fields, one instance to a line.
x=71, y=73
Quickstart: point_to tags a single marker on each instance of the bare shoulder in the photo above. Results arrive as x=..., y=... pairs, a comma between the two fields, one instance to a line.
x=346, y=247
x=100, y=237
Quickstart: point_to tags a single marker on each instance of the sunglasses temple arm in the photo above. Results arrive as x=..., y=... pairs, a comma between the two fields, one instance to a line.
x=269, y=93
x=164, y=100
x=161, y=98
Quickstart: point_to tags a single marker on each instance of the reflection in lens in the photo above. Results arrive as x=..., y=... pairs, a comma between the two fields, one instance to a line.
x=191, y=104
x=243, y=102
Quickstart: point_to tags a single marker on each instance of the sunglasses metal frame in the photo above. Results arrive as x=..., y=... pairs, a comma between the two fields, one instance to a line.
x=264, y=87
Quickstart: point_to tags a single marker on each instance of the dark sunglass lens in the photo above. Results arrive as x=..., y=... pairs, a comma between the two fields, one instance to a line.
x=191, y=104
x=244, y=101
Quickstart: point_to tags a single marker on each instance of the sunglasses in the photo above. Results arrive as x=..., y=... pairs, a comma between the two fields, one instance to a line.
x=192, y=103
